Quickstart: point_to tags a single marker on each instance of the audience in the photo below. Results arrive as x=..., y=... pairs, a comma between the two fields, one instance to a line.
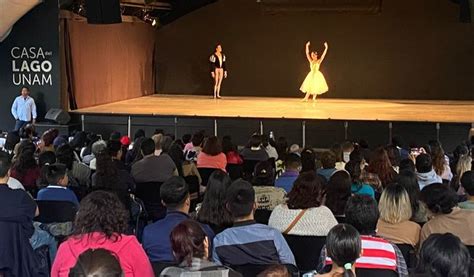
x=308, y=160
x=292, y=170
x=443, y=255
x=393, y=154
x=344, y=247
x=380, y=164
x=230, y=151
x=211, y=155
x=395, y=213
x=193, y=148
x=175, y=197
x=24, y=167
x=254, y=151
x=98, y=263
x=78, y=173
x=447, y=217
x=338, y=191
x=190, y=246
x=101, y=222
x=377, y=253
x=467, y=183
x=57, y=189
x=269, y=148
x=425, y=172
x=409, y=181
x=304, y=213
x=440, y=161
x=463, y=165
x=264, y=174
x=240, y=244
x=152, y=168
x=213, y=211
x=328, y=161
x=358, y=186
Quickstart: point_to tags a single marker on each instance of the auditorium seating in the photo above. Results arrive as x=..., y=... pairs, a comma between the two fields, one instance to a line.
x=299, y=245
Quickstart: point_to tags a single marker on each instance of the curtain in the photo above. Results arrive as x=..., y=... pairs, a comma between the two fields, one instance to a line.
x=108, y=63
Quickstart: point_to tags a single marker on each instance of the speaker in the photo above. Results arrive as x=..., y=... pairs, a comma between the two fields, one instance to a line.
x=103, y=11
x=58, y=115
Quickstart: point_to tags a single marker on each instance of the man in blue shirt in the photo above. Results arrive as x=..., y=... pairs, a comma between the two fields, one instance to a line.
x=292, y=171
x=175, y=197
x=24, y=109
x=248, y=242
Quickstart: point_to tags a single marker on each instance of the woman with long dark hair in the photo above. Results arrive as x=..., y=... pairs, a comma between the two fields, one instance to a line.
x=380, y=164
x=338, y=192
x=440, y=161
x=101, y=222
x=213, y=211
x=408, y=180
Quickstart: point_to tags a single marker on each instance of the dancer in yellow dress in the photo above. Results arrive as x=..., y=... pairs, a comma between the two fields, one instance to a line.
x=314, y=83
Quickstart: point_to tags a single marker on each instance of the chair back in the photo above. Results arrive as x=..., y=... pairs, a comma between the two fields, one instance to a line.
x=149, y=193
x=299, y=245
x=262, y=216
x=252, y=270
x=247, y=169
x=205, y=174
x=55, y=211
x=365, y=272
x=234, y=170
x=409, y=254
x=158, y=267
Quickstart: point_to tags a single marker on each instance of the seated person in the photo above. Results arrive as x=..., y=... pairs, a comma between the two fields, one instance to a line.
x=156, y=237
x=292, y=170
x=56, y=175
x=97, y=262
x=211, y=155
x=467, y=183
x=240, y=244
x=328, y=161
x=190, y=246
x=425, y=173
x=377, y=253
x=153, y=168
x=254, y=150
x=304, y=214
x=358, y=186
x=447, y=216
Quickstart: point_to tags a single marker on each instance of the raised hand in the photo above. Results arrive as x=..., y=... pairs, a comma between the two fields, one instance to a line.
x=326, y=44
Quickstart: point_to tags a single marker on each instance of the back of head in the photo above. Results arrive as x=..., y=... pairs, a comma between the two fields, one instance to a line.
x=98, y=263
x=98, y=146
x=393, y=155
x=186, y=138
x=467, y=182
x=54, y=173
x=408, y=180
x=347, y=146
x=255, y=141
x=394, y=204
x=343, y=246
x=65, y=155
x=264, y=174
x=439, y=198
x=213, y=210
x=328, y=159
x=197, y=138
x=407, y=165
x=240, y=198
x=308, y=160
x=443, y=255
x=362, y=213
x=293, y=162
x=103, y=212
x=275, y=271
x=187, y=241
x=212, y=146
x=46, y=158
x=307, y=192
x=113, y=147
x=115, y=135
x=338, y=191
x=174, y=192
x=139, y=134
x=26, y=157
x=147, y=146
x=227, y=145
x=423, y=163
x=354, y=170
x=49, y=136
x=5, y=164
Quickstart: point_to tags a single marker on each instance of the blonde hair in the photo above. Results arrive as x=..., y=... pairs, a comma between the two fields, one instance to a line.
x=464, y=164
x=157, y=140
x=394, y=205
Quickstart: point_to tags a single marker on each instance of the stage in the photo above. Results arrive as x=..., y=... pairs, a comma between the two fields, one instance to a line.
x=436, y=111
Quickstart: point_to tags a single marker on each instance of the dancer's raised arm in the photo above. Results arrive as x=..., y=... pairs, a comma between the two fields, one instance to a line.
x=308, y=56
x=324, y=53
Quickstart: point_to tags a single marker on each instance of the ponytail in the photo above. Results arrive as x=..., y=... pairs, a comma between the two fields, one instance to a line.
x=348, y=270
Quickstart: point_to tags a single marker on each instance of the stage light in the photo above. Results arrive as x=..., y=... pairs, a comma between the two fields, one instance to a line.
x=148, y=18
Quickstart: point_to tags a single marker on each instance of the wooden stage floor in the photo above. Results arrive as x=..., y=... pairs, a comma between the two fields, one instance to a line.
x=291, y=108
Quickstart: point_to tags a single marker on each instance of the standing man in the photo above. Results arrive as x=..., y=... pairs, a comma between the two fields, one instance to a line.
x=24, y=109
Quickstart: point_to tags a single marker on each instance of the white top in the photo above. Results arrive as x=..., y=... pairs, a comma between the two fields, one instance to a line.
x=14, y=184
x=315, y=222
x=272, y=152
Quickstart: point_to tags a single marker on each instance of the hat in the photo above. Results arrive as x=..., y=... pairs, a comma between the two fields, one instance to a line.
x=125, y=140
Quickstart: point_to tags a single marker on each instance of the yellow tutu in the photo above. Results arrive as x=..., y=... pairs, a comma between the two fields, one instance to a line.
x=314, y=83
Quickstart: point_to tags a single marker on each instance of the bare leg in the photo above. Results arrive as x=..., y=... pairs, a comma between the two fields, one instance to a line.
x=314, y=97
x=306, y=97
x=219, y=77
x=216, y=81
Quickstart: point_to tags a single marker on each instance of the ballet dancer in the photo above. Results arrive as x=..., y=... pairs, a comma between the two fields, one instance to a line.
x=314, y=84
x=218, y=70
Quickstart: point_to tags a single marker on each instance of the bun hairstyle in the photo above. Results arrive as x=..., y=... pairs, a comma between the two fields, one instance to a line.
x=54, y=172
x=343, y=246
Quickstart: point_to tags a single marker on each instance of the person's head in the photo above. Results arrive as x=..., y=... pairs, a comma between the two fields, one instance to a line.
x=307, y=192
x=444, y=255
x=25, y=159
x=139, y=134
x=308, y=160
x=213, y=209
x=148, y=147
x=467, y=182
x=28, y=131
x=46, y=158
x=227, y=145
x=174, y=194
x=5, y=164
x=218, y=48
x=254, y=141
x=56, y=174
x=166, y=142
x=394, y=204
x=106, y=171
x=314, y=55
x=212, y=146
x=65, y=155
x=407, y=165
x=102, y=212
x=344, y=247
x=277, y=270
x=197, y=139
x=114, y=149
x=59, y=140
x=188, y=240
x=439, y=198
x=423, y=163
x=98, y=146
x=186, y=138
x=115, y=135
x=380, y=164
x=328, y=159
x=25, y=91
x=264, y=174
x=79, y=140
x=48, y=137
x=354, y=169
x=240, y=200
x=338, y=191
x=292, y=162
x=408, y=180
x=98, y=262
x=362, y=213
x=393, y=155
x=157, y=139
x=437, y=156
x=176, y=153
